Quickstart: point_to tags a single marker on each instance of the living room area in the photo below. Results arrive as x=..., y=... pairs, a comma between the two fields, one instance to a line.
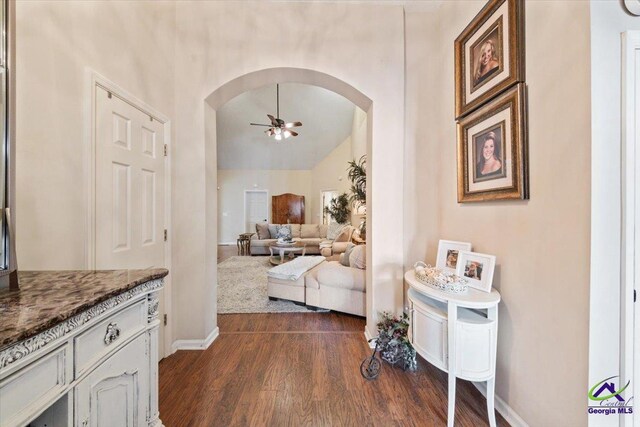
x=291, y=215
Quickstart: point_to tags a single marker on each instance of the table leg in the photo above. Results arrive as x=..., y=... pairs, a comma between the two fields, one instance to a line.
x=451, y=327
x=491, y=393
x=281, y=256
x=238, y=244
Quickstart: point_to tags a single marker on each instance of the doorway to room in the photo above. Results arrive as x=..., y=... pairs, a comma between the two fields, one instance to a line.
x=274, y=201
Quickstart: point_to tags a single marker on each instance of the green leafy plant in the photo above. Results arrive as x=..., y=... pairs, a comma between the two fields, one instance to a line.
x=339, y=208
x=357, y=173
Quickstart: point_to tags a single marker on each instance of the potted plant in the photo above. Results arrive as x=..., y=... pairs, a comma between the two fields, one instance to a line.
x=357, y=173
x=393, y=340
x=339, y=209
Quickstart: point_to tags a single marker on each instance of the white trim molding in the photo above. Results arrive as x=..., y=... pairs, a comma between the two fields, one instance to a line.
x=503, y=409
x=630, y=250
x=196, y=344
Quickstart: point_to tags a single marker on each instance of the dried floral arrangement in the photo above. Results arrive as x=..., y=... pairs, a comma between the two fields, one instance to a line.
x=393, y=340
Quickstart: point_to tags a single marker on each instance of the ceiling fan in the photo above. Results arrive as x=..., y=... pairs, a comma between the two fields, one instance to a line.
x=278, y=128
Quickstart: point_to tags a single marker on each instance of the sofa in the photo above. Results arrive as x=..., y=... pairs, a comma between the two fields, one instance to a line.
x=330, y=285
x=313, y=235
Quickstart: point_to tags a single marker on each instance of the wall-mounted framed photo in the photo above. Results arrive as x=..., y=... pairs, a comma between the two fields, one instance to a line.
x=489, y=54
x=448, y=250
x=492, y=150
x=477, y=269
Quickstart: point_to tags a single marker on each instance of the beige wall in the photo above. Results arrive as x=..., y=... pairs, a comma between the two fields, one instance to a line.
x=56, y=43
x=329, y=174
x=541, y=245
x=359, y=134
x=233, y=182
x=217, y=42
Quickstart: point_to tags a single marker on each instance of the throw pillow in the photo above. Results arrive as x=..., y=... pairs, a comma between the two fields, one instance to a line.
x=283, y=232
x=344, y=258
x=309, y=231
x=344, y=235
x=323, y=230
x=273, y=230
x=262, y=228
x=295, y=230
x=333, y=230
x=358, y=257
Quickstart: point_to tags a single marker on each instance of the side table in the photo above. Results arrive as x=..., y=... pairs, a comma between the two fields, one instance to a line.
x=452, y=333
x=244, y=243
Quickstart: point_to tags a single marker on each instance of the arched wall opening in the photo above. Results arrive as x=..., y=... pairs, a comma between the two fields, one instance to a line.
x=384, y=281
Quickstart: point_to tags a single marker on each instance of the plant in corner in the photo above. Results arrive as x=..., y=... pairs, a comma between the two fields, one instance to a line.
x=393, y=340
x=339, y=208
x=357, y=173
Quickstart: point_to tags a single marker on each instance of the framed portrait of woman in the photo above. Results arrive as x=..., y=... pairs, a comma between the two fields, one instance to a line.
x=489, y=54
x=492, y=150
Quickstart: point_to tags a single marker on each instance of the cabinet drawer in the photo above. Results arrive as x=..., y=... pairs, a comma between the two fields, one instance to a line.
x=33, y=388
x=101, y=339
x=116, y=393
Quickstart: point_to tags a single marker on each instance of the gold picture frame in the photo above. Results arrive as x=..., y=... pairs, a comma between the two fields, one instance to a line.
x=492, y=150
x=489, y=54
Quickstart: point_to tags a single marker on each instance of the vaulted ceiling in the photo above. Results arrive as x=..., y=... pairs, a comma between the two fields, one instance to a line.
x=326, y=122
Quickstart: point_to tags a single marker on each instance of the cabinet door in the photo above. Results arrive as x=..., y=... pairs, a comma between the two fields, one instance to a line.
x=429, y=335
x=116, y=393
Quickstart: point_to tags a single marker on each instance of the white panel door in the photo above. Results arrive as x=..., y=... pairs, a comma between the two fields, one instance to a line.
x=130, y=188
x=256, y=209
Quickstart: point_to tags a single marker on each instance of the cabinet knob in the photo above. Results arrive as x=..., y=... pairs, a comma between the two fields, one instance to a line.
x=112, y=334
x=85, y=423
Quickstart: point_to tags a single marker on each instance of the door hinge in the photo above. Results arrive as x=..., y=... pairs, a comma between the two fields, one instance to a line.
x=164, y=320
x=165, y=150
x=166, y=236
x=634, y=295
x=109, y=95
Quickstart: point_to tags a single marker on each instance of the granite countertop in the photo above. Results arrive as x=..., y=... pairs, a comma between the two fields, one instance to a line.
x=47, y=298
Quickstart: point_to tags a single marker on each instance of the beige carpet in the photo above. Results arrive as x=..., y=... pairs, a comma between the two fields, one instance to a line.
x=242, y=288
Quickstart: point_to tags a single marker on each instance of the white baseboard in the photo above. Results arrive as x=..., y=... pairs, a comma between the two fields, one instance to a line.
x=195, y=344
x=227, y=243
x=368, y=336
x=501, y=406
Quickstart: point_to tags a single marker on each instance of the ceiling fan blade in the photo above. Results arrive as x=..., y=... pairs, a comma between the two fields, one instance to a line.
x=280, y=122
x=292, y=125
x=260, y=124
x=293, y=133
x=273, y=120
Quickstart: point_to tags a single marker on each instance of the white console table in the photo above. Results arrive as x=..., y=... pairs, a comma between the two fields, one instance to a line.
x=457, y=333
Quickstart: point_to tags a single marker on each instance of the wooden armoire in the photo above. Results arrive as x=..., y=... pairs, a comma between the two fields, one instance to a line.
x=287, y=209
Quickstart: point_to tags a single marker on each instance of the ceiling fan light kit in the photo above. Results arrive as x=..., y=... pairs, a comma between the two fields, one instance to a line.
x=278, y=128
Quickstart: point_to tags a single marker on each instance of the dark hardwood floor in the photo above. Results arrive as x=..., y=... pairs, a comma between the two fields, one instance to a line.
x=300, y=369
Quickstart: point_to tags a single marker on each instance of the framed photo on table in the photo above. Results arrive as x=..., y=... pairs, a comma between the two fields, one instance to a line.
x=492, y=150
x=448, y=250
x=489, y=54
x=477, y=269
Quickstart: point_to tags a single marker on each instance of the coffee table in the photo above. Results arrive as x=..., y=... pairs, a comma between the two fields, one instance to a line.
x=282, y=250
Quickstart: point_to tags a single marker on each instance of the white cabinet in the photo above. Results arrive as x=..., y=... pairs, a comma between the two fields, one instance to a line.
x=429, y=332
x=116, y=392
x=97, y=368
x=457, y=333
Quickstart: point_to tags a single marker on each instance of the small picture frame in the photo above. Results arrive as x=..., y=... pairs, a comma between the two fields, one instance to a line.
x=477, y=269
x=489, y=54
x=492, y=150
x=448, y=251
